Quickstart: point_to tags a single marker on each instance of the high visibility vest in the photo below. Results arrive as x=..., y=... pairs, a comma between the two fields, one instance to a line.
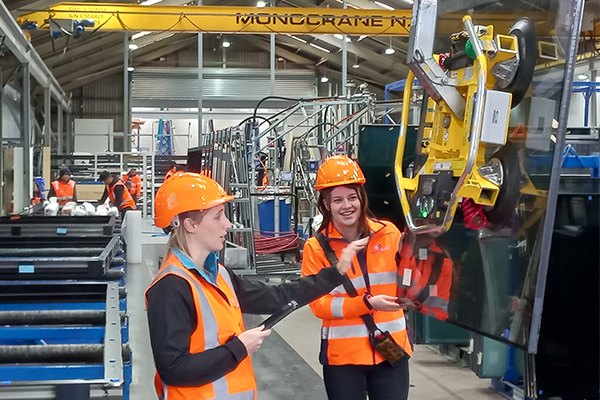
x=217, y=321
x=426, y=282
x=169, y=174
x=126, y=201
x=133, y=184
x=344, y=336
x=64, y=191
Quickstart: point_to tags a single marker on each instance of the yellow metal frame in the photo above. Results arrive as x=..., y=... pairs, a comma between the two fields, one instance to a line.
x=449, y=148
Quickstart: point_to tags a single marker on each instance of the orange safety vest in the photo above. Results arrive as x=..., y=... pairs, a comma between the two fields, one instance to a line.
x=169, y=174
x=134, y=184
x=344, y=336
x=218, y=320
x=126, y=201
x=64, y=191
x=426, y=282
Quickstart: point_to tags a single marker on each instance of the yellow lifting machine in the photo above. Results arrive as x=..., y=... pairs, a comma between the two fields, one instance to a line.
x=469, y=93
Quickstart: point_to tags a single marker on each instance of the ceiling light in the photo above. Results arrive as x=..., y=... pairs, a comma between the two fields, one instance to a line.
x=338, y=36
x=324, y=79
x=130, y=69
x=380, y=4
x=409, y=1
x=139, y=35
x=320, y=48
x=297, y=38
x=583, y=77
x=390, y=50
x=150, y=2
x=133, y=46
x=226, y=43
x=261, y=4
x=355, y=66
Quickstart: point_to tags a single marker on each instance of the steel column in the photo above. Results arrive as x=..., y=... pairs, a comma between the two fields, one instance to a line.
x=272, y=63
x=47, y=117
x=126, y=119
x=200, y=66
x=59, y=129
x=344, y=63
x=26, y=135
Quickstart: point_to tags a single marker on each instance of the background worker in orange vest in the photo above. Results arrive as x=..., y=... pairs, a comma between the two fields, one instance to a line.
x=200, y=345
x=171, y=171
x=133, y=182
x=361, y=315
x=63, y=188
x=118, y=194
x=424, y=274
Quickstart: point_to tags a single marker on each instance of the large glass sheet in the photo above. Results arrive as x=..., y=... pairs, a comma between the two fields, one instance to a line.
x=485, y=280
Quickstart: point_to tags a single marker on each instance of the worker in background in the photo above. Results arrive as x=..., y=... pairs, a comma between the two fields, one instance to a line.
x=133, y=182
x=424, y=274
x=362, y=316
x=117, y=192
x=171, y=171
x=63, y=188
x=200, y=345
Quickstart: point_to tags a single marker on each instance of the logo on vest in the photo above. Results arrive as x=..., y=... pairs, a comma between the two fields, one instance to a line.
x=379, y=248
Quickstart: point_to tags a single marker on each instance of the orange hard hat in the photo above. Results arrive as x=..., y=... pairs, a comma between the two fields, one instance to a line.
x=186, y=191
x=339, y=170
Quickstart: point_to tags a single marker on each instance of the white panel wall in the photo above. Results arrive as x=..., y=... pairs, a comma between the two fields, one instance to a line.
x=93, y=135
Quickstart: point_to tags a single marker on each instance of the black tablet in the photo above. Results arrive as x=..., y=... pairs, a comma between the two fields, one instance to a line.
x=279, y=315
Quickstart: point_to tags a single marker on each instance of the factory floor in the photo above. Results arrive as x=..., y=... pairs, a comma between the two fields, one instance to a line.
x=287, y=365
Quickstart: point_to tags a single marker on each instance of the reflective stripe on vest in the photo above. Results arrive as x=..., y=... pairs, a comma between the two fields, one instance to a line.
x=126, y=199
x=361, y=331
x=211, y=329
x=377, y=278
x=345, y=338
x=64, y=191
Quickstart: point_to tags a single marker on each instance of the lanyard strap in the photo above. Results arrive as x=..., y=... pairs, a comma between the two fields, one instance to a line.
x=350, y=289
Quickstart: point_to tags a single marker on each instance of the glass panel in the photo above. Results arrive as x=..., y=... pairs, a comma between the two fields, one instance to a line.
x=481, y=279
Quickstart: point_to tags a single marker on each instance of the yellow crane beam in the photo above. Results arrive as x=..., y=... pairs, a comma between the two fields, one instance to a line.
x=219, y=19
x=253, y=20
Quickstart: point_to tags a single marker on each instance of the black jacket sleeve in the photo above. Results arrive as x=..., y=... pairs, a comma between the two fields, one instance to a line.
x=259, y=298
x=172, y=320
x=51, y=193
x=75, y=193
x=104, y=195
x=118, y=195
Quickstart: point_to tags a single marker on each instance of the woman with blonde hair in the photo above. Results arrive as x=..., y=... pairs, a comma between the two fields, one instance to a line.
x=200, y=344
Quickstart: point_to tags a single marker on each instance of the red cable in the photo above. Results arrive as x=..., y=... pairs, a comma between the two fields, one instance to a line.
x=275, y=244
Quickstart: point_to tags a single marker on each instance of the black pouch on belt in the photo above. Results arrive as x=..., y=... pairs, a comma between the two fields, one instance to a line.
x=384, y=343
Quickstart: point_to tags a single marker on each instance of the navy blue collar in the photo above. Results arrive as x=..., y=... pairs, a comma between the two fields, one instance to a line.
x=211, y=265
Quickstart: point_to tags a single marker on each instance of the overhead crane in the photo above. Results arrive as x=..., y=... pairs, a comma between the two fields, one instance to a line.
x=254, y=20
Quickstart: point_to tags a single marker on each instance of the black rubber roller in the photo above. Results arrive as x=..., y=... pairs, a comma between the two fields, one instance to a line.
x=524, y=31
x=113, y=274
x=504, y=209
x=53, y=317
x=57, y=353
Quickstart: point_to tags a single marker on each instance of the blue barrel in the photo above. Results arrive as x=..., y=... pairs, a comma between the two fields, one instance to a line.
x=266, y=216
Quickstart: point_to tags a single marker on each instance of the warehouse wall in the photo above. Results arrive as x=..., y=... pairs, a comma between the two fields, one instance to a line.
x=101, y=99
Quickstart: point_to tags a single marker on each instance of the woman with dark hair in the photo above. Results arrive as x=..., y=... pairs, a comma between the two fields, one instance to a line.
x=364, y=343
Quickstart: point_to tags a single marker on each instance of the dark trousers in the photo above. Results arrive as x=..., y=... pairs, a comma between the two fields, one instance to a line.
x=123, y=211
x=353, y=382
